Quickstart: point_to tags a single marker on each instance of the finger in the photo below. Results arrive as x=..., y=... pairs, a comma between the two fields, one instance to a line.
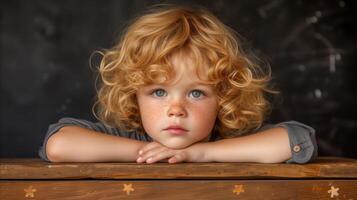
x=160, y=156
x=164, y=160
x=150, y=153
x=148, y=147
x=181, y=157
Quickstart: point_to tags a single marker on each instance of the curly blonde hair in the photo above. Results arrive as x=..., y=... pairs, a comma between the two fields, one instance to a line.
x=142, y=57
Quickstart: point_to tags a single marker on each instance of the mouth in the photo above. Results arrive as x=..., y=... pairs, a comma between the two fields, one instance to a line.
x=176, y=130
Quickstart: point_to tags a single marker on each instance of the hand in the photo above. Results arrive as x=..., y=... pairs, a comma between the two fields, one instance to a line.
x=154, y=152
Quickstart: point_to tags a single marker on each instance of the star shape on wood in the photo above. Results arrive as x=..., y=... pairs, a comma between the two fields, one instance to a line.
x=238, y=189
x=128, y=188
x=333, y=191
x=30, y=191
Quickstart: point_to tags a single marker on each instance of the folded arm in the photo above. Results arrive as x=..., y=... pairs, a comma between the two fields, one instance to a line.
x=290, y=141
x=268, y=146
x=77, y=144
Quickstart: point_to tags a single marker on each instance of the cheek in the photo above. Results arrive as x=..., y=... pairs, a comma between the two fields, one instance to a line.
x=205, y=116
x=149, y=114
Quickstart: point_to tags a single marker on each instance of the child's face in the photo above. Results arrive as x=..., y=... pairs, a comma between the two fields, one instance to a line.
x=181, y=112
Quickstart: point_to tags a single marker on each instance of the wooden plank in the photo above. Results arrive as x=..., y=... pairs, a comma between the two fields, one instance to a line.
x=323, y=167
x=185, y=189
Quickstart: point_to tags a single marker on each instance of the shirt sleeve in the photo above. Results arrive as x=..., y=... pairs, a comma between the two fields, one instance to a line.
x=98, y=127
x=302, y=141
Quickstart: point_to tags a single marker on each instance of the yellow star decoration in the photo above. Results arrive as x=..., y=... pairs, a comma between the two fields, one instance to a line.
x=333, y=191
x=238, y=189
x=128, y=188
x=30, y=192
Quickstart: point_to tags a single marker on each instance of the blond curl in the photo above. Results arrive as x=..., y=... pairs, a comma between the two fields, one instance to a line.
x=142, y=57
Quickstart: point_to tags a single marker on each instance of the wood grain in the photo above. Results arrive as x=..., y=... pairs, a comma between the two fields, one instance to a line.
x=186, y=189
x=324, y=167
x=326, y=178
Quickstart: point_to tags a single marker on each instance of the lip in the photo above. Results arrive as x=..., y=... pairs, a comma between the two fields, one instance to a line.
x=176, y=130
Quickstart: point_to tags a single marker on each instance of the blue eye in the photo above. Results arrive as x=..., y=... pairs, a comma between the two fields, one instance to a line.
x=159, y=92
x=197, y=93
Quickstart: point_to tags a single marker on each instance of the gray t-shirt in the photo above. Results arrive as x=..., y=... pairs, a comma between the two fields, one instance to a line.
x=302, y=137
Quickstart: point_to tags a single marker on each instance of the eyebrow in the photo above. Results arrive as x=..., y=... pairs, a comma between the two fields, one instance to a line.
x=193, y=84
x=199, y=84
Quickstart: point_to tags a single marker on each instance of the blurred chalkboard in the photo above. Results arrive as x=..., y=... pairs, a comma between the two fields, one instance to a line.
x=46, y=45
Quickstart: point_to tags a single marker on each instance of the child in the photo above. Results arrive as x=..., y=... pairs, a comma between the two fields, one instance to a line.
x=178, y=88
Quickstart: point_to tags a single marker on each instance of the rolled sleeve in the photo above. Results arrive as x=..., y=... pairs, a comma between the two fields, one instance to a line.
x=302, y=142
x=53, y=128
x=98, y=127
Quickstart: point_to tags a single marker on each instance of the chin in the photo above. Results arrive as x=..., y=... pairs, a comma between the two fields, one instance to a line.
x=177, y=146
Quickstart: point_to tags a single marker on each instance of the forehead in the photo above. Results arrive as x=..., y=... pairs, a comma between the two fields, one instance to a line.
x=186, y=63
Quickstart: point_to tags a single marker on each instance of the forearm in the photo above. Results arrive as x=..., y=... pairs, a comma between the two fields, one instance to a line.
x=77, y=144
x=269, y=146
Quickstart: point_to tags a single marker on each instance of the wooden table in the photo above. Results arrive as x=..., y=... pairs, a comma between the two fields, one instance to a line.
x=326, y=178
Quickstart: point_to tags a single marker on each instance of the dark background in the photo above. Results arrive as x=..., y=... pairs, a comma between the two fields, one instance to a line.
x=46, y=46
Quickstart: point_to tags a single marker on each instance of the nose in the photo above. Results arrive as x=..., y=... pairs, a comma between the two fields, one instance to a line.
x=176, y=110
